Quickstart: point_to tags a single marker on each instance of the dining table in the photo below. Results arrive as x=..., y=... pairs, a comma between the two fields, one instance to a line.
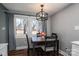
x=39, y=41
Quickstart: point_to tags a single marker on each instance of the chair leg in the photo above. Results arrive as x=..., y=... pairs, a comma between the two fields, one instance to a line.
x=45, y=53
x=28, y=52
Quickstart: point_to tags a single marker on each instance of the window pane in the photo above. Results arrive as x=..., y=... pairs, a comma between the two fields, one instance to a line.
x=19, y=28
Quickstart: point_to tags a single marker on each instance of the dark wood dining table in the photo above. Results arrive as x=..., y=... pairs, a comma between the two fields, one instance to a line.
x=38, y=41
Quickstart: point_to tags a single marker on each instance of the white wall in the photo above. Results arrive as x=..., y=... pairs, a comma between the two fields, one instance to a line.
x=63, y=24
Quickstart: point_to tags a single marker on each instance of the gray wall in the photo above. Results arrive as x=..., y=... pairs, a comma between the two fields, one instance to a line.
x=63, y=24
x=49, y=28
x=3, y=28
x=6, y=28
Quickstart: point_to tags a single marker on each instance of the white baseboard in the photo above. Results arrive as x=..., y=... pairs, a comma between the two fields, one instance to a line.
x=21, y=47
x=63, y=53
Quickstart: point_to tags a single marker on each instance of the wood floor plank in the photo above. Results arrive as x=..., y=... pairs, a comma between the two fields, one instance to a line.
x=23, y=52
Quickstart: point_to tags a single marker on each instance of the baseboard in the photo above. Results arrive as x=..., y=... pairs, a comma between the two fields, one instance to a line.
x=21, y=47
x=63, y=53
x=25, y=47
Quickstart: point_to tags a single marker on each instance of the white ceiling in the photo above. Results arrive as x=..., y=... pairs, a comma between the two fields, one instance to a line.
x=50, y=8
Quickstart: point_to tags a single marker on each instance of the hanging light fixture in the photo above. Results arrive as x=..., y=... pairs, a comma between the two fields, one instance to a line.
x=42, y=15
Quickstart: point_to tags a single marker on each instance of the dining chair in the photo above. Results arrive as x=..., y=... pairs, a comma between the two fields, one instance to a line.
x=28, y=50
x=50, y=46
x=54, y=35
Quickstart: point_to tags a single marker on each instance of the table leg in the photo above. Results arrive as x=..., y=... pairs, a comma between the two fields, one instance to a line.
x=33, y=50
x=28, y=51
x=57, y=48
x=54, y=49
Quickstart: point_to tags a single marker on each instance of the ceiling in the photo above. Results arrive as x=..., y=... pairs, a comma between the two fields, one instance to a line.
x=33, y=8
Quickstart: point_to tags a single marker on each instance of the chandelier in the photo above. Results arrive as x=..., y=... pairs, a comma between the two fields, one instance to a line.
x=42, y=15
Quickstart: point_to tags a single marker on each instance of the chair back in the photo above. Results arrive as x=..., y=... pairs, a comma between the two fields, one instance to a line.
x=27, y=41
x=49, y=41
x=38, y=35
x=54, y=35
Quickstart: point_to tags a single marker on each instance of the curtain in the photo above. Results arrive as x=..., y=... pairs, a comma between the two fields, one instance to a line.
x=11, y=40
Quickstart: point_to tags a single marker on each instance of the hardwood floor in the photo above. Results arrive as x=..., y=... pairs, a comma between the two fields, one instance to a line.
x=23, y=52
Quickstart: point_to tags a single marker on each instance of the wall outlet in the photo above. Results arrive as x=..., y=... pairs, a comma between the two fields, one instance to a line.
x=68, y=51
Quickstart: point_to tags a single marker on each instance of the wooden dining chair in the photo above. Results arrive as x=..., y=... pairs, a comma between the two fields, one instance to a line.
x=54, y=35
x=49, y=45
x=28, y=49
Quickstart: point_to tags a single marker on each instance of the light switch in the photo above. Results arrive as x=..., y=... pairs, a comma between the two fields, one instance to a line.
x=76, y=27
x=3, y=28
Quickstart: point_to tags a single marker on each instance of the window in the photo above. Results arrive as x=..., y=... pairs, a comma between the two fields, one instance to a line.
x=26, y=24
x=20, y=28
